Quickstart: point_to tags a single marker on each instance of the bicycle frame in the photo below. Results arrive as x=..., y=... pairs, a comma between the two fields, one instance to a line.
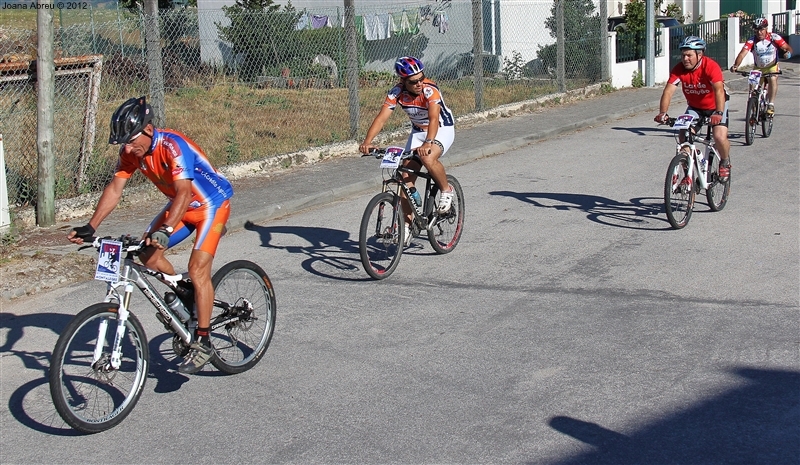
x=134, y=274
x=419, y=212
x=696, y=162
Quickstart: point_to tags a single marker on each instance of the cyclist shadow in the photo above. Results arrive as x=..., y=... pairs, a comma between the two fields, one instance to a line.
x=331, y=252
x=640, y=213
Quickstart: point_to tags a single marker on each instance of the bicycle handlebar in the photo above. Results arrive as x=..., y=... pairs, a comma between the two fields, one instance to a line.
x=129, y=243
x=747, y=73
x=380, y=152
x=671, y=121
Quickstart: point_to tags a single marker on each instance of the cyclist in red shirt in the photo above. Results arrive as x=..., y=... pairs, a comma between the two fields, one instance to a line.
x=198, y=201
x=765, y=47
x=704, y=88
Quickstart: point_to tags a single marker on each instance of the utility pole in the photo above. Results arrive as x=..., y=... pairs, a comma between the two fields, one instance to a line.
x=649, y=48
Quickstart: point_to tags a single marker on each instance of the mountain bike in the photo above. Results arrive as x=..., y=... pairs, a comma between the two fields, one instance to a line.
x=101, y=359
x=692, y=170
x=381, y=237
x=757, y=105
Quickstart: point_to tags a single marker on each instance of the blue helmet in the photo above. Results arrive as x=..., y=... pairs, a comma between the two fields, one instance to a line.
x=693, y=43
x=408, y=66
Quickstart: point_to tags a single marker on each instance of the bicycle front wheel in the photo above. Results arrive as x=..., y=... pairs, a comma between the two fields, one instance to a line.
x=750, y=121
x=382, y=235
x=88, y=392
x=679, y=192
x=445, y=232
x=717, y=192
x=243, y=319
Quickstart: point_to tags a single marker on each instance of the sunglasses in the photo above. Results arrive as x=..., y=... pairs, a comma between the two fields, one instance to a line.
x=414, y=82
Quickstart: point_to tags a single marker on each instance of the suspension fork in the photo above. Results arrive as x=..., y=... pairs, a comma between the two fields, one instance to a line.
x=122, y=319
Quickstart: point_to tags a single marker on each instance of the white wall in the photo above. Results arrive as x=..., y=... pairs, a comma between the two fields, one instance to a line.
x=622, y=73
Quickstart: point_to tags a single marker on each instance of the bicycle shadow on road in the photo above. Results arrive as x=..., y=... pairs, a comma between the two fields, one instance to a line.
x=331, y=252
x=754, y=422
x=31, y=404
x=646, y=213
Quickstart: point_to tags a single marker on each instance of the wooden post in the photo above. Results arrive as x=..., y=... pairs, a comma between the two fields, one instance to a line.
x=45, y=91
x=156, y=70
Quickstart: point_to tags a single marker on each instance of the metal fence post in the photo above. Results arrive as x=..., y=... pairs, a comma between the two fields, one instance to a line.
x=477, y=52
x=560, y=47
x=351, y=43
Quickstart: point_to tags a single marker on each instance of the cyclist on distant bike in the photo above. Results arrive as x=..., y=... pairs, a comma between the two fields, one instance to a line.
x=704, y=88
x=766, y=46
x=198, y=201
x=432, y=127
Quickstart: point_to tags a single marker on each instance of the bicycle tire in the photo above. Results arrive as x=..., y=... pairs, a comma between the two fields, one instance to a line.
x=381, y=235
x=679, y=192
x=766, y=126
x=750, y=121
x=241, y=330
x=445, y=232
x=717, y=192
x=92, y=397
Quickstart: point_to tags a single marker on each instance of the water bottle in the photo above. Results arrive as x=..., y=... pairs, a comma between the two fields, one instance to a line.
x=415, y=197
x=175, y=304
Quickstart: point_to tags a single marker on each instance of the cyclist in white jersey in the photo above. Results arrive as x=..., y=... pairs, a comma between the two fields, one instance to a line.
x=432, y=126
x=765, y=47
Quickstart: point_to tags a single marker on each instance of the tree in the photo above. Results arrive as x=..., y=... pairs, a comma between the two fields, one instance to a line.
x=581, y=40
x=260, y=34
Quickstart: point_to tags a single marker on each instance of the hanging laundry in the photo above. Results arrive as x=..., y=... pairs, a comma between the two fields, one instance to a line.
x=412, y=18
x=303, y=22
x=383, y=26
x=371, y=26
x=319, y=21
x=441, y=21
x=396, y=23
x=425, y=13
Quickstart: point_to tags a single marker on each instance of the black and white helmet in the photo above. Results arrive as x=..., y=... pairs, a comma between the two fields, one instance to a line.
x=129, y=119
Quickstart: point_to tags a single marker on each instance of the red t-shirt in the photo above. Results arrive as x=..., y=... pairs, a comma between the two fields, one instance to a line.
x=697, y=83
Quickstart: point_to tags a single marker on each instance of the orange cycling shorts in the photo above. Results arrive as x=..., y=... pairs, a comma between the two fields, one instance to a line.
x=208, y=220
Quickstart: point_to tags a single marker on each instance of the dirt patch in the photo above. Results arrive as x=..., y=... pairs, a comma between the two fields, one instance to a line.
x=26, y=273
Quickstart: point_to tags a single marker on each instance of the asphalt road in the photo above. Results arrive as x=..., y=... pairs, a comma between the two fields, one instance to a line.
x=570, y=325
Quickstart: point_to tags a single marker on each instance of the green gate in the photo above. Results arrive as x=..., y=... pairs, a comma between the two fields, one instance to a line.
x=715, y=34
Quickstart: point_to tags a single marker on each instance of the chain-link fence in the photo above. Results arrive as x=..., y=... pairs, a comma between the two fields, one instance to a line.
x=249, y=85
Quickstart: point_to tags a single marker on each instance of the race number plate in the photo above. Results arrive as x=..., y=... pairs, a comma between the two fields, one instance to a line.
x=391, y=160
x=683, y=122
x=754, y=77
x=108, y=261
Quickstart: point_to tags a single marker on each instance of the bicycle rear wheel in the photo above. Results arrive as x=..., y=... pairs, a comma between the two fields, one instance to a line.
x=750, y=121
x=89, y=394
x=382, y=235
x=445, y=232
x=717, y=192
x=679, y=192
x=243, y=319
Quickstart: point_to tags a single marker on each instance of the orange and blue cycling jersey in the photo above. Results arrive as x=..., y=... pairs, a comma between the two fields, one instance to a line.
x=416, y=106
x=173, y=156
